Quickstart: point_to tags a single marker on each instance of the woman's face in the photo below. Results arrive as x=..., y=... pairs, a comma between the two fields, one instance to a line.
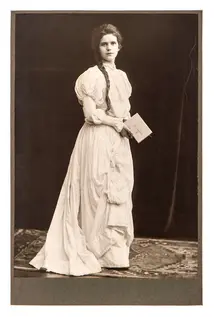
x=108, y=47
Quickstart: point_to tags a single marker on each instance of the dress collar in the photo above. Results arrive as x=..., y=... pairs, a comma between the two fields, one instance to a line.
x=110, y=66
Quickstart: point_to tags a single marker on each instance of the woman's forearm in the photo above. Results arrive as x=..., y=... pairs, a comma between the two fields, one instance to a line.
x=99, y=116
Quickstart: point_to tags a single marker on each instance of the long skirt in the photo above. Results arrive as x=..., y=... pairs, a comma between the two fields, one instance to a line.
x=92, y=225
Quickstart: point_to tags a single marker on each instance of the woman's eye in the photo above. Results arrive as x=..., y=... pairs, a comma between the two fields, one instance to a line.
x=105, y=44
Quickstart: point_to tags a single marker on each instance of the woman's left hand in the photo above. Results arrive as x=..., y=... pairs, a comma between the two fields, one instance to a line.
x=126, y=134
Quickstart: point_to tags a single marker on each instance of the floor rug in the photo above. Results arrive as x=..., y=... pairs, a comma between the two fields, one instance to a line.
x=149, y=258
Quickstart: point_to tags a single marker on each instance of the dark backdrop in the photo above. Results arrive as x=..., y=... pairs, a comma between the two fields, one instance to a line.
x=51, y=50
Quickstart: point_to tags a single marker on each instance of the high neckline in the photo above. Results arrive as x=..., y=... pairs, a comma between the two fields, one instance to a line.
x=110, y=66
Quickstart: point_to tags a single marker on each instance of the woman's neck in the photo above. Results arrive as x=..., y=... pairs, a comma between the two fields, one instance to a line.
x=111, y=64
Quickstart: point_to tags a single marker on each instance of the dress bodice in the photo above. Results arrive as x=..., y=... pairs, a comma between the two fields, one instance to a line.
x=92, y=83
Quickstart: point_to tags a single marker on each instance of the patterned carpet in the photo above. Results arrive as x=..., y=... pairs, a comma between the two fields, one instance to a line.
x=149, y=258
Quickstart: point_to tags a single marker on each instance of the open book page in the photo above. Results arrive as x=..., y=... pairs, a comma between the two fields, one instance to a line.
x=138, y=127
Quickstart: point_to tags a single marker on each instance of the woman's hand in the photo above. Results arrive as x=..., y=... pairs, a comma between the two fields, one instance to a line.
x=123, y=129
x=118, y=124
x=126, y=134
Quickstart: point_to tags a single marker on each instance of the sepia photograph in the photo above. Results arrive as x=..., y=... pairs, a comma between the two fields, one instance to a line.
x=106, y=146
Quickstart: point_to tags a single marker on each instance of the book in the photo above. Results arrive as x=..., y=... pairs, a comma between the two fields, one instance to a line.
x=138, y=127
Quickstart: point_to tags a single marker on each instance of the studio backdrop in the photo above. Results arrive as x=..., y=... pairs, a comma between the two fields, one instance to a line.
x=160, y=57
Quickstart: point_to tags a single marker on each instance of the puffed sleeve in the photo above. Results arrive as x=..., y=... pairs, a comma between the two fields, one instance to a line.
x=90, y=83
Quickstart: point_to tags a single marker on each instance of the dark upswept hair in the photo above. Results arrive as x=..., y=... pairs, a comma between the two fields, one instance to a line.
x=97, y=35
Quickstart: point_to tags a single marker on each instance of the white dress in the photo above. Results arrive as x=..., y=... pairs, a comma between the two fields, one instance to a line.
x=92, y=225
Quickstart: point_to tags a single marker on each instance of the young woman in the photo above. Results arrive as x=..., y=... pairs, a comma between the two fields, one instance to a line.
x=92, y=226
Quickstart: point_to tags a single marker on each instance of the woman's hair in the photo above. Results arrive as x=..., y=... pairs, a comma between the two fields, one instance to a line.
x=97, y=35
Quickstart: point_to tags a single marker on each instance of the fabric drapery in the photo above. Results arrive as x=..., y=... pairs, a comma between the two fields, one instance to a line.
x=92, y=225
